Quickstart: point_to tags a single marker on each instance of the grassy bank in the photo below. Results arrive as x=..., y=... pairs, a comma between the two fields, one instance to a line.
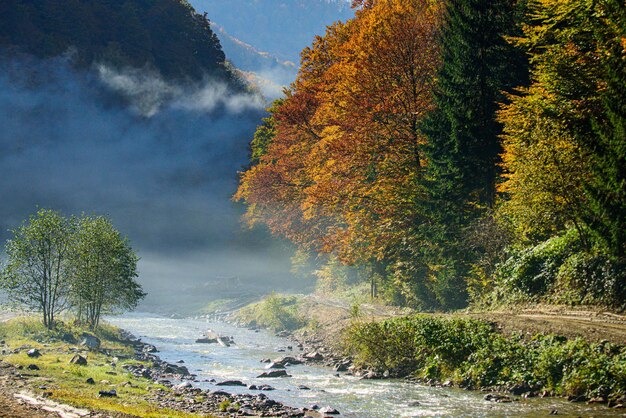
x=275, y=312
x=64, y=382
x=472, y=354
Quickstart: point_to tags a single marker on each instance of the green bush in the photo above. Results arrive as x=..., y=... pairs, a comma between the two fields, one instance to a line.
x=532, y=271
x=472, y=353
x=591, y=279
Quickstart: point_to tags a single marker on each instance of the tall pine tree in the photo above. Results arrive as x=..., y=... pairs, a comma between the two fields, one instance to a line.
x=606, y=186
x=463, y=135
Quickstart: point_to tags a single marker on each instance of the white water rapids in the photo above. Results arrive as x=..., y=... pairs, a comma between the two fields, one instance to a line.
x=175, y=340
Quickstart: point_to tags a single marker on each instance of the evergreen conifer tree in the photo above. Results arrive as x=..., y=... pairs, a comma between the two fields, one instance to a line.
x=463, y=143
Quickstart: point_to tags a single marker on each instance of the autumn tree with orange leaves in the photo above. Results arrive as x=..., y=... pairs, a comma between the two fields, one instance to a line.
x=341, y=174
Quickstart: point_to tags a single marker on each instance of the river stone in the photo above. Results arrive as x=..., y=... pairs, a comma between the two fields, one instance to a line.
x=231, y=383
x=328, y=410
x=184, y=385
x=33, y=367
x=90, y=341
x=90, y=381
x=206, y=340
x=220, y=393
x=287, y=361
x=275, y=366
x=108, y=393
x=33, y=353
x=79, y=360
x=148, y=348
x=494, y=397
x=274, y=373
x=315, y=356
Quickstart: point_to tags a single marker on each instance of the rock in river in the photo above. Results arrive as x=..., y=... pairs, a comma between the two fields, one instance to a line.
x=231, y=383
x=274, y=373
x=315, y=356
x=275, y=365
x=328, y=410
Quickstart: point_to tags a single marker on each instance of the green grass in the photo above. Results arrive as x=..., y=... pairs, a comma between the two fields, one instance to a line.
x=67, y=382
x=276, y=312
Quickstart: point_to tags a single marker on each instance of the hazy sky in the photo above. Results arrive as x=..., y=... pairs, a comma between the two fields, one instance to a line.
x=163, y=166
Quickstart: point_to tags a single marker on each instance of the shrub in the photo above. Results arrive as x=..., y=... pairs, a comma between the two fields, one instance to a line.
x=532, y=271
x=471, y=352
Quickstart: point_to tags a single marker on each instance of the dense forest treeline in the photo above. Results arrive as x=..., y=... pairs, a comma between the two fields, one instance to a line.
x=164, y=35
x=455, y=152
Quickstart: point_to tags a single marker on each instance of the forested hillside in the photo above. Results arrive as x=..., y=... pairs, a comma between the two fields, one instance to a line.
x=167, y=35
x=455, y=152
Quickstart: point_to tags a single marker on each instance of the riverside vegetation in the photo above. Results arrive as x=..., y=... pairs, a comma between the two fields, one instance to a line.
x=472, y=354
x=53, y=376
x=451, y=350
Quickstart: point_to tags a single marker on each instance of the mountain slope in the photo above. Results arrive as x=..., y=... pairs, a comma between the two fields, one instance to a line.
x=259, y=68
x=280, y=27
x=167, y=35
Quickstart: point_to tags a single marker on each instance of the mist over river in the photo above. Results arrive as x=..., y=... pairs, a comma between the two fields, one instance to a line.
x=175, y=340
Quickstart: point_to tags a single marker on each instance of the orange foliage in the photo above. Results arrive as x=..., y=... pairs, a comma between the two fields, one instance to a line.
x=341, y=174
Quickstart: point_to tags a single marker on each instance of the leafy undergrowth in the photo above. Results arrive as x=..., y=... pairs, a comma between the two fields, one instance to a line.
x=276, y=312
x=67, y=382
x=471, y=353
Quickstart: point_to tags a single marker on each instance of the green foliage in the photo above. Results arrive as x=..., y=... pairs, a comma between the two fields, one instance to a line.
x=473, y=354
x=421, y=344
x=533, y=270
x=276, y=312
x=463, y=142
x=69, y=381
x=565, y=155
x=104, y=268
x=559, y=270
x=55, y=263
x=224, y=405
x=36, y=273
x=264, y=134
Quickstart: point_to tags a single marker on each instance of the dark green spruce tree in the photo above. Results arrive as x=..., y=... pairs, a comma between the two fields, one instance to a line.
x=606, y=187
x=463, y=136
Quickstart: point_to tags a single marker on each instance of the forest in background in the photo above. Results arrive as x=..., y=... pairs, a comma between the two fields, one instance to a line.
x=455, y=152
x=167, y=36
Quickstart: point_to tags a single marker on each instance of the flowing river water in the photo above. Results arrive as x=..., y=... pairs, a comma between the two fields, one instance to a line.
x=175, y=340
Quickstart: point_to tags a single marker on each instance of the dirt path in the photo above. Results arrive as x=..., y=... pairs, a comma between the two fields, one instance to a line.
x=593, y=326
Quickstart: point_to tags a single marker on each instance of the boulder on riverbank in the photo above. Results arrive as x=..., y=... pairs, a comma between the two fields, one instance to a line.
x=314, y=356
x=287, y=361
x=90, y=341
x=78, y=360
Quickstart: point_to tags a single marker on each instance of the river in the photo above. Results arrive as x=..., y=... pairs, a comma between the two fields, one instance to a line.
x=175, y=339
